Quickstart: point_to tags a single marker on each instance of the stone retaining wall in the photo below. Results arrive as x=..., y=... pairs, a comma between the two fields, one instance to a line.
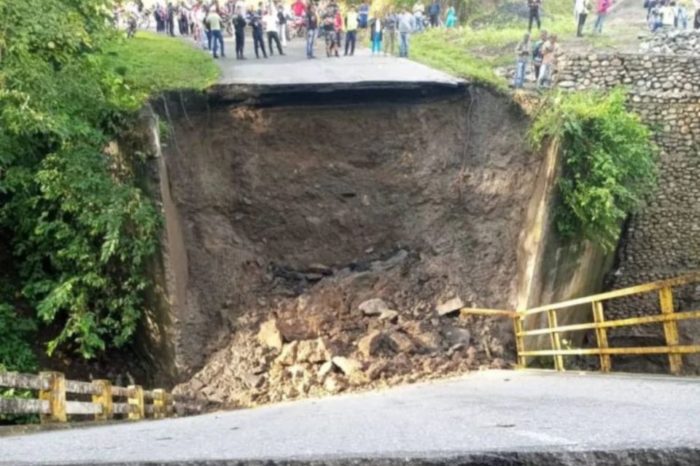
x=663, y=239
x=672, y=43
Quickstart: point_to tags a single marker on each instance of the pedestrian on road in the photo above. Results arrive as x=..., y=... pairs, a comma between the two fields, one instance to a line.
x=256, y=25
x=375, y=27
x=351, y=25
x=534, y=7
x=270, y=24
x=602, y=10
x=522, y=51
x=239, y=24
x=389, y=34
x=434, y=13
x=338, y=32
x=329, y=31
x=282, y=25
x=311, y=27
x=363, y=15
x=537, y=53
x=406, y=26
x=213, y=19
x=451, y=17
x=581, y=10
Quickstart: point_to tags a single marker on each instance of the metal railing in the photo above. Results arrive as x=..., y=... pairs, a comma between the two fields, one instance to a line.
x=106, y=401
x=668, y=318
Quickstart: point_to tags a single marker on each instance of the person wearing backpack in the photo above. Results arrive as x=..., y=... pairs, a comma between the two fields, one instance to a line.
x=537, y=53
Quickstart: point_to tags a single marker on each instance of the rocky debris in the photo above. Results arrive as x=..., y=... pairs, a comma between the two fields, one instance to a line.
x=314, y=351
x=457, y=336
x=288, y=356
x=373, y=307
x=370, y=344
x=389, y=315
x=401, y=343
x=348, y=366
x=449, y=306
x=270, y=335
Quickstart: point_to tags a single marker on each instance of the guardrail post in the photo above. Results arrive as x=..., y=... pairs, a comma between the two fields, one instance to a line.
x=158, y=403
x=168, y=405
x=103, y=398
x=601, y=334
x=135, y=401
x=556, y=340
x=53, y=391
x=519, y=340
x=670, y=329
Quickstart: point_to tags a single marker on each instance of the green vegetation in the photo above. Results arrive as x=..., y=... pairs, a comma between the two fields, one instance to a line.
x=608, y=162
x=486, y=41
x=151, y=63
x=79, y=229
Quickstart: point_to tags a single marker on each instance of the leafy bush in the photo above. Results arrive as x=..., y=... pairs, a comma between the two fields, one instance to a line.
x=79, y=232
x=608, y=162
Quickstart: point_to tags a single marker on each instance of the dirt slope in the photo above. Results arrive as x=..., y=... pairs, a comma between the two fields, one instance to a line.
x=293, y=216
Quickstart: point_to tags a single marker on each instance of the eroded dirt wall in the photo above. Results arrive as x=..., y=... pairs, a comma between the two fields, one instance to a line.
x=295, y=215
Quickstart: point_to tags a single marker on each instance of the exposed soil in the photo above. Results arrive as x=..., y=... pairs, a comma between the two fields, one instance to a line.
x=293, y=216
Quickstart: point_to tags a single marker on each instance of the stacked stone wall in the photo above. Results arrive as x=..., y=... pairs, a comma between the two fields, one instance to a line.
x=663, y=239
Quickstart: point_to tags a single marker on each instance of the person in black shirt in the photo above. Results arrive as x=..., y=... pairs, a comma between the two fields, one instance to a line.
x=311, y=27
x=255, y=21
x=534, y=6
x=239, y=26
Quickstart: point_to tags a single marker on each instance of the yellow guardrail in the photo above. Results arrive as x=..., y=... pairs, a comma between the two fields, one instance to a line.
x=668, y=317
x=107, y=401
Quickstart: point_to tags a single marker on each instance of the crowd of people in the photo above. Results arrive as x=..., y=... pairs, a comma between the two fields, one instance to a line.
x=208, y=21
x=667, y=15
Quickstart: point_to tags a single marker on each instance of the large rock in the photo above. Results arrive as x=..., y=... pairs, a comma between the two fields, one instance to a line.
x=389, y=315
x=288, y=356
x=314, y=351
x=348, y=366
x=457, y=336
x=270, y=335
x=369, y=344
x=450, y=306
x=401, y=343
x=373, y=307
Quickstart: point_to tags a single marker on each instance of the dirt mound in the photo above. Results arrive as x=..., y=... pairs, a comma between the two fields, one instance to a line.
x=292, y=217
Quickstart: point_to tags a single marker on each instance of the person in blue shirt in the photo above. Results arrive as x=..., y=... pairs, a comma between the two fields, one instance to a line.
x=363, y=15
x=434, y=13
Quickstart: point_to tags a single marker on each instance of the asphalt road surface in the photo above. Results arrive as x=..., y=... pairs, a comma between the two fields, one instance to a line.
x=494, y=414
x=294, y=68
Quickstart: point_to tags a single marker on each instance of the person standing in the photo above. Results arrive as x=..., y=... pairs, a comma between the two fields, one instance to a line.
x=602, y=10
x=363, y=15
x=434, y=13
x=328, y=21
x=298, y=8
x=338, y=32
x=451, y=17
x=170, y=19
x=406, y=26
x=239, y=24
x=522, y=52
x=311, y=27
x=534, y=16
x=351, y=25
x=418, y=15
x=549, y=59
x=282, y=25
x=256, y=26
x=581, y=9
x=213, y=19
x=389, y=35
x=270, y=23
x=375, y=28
x=537, y=53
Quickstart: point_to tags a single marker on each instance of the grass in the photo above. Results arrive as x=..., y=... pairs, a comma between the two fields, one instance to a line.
x=475, y=52
x=152, y=63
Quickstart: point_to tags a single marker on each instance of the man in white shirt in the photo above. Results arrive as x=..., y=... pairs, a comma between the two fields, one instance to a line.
x=270, y=24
